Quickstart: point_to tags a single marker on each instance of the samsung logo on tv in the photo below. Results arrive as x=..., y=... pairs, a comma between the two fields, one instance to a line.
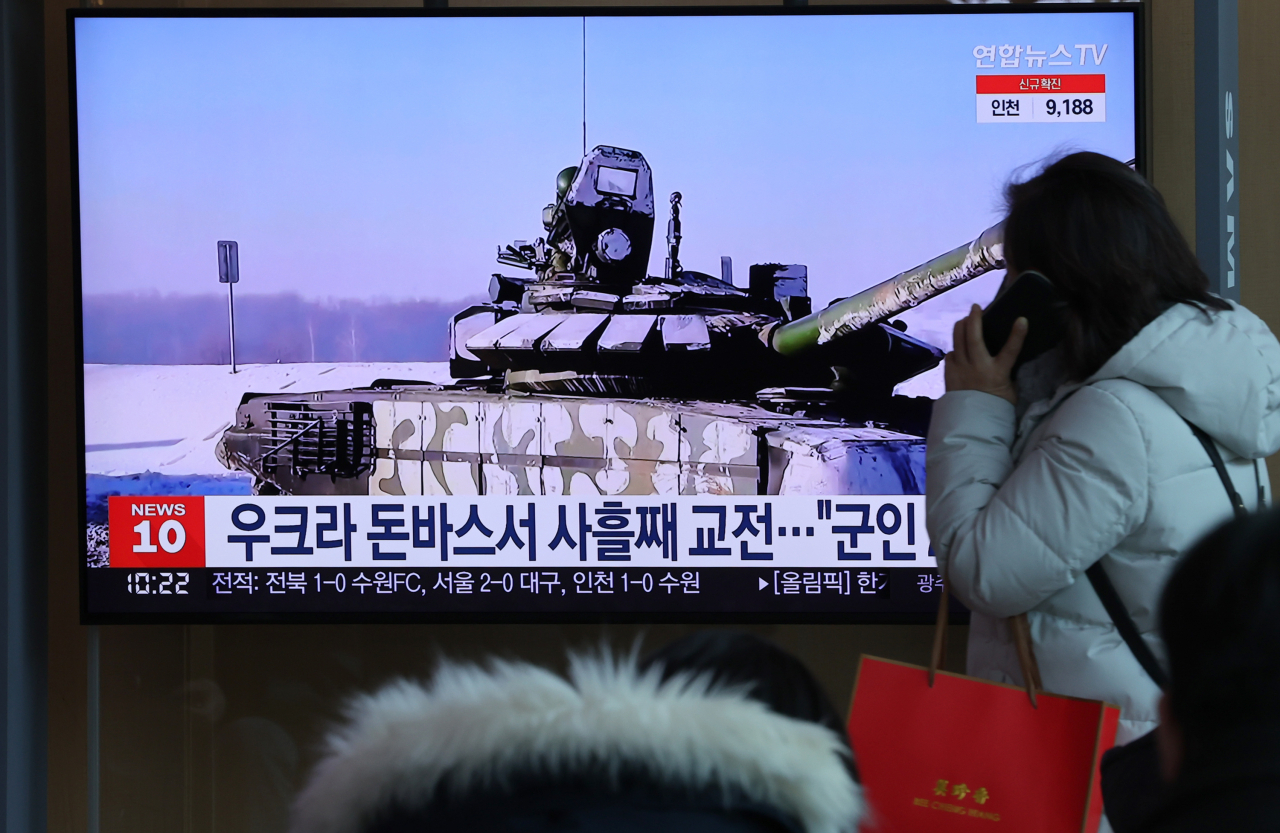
x=1229, y=120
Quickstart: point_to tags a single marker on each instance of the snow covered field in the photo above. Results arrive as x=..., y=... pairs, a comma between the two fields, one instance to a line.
x=167, y=418
x=151, y=429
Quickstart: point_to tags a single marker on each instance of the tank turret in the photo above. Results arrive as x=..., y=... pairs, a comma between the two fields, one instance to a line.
x=592, y=321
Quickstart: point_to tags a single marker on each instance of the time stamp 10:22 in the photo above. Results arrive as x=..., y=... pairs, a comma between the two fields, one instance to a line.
x=163, y=583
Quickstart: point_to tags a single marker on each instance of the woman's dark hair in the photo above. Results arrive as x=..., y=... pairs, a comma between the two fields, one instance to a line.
x=768, y=673
x=1104, y=238
x=1220, y=619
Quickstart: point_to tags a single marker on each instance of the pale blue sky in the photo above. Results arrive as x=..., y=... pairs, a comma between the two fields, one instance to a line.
x=389, y=157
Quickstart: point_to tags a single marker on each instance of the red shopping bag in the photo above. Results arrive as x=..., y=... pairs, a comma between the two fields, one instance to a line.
x=946, y=752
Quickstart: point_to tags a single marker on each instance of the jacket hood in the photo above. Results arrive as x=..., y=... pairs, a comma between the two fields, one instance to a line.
x=473, y=727
x=1220, y=370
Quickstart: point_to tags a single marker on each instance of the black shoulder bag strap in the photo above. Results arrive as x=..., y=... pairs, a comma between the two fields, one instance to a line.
x=1111, y=599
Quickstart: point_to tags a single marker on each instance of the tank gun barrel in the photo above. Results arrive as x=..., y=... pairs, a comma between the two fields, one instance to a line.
x=899, y=293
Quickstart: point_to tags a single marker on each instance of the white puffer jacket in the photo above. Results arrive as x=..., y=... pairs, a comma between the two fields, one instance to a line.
x=1108, y=470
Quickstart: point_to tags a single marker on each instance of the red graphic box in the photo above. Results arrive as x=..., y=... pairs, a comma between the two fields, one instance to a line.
x=149, y=532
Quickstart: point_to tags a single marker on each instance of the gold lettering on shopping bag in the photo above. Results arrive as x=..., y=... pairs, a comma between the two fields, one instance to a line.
x=942, y=787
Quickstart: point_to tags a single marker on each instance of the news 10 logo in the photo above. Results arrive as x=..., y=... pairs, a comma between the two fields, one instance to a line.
x=147, y=532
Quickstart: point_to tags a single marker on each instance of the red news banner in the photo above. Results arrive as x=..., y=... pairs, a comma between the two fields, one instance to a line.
x=151, y=532
x=1005, y=99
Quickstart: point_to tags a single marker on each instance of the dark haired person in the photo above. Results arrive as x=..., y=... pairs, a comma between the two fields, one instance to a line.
x=1087, y=456
x=760, y=668
x=718, y=733
x=1219, y=733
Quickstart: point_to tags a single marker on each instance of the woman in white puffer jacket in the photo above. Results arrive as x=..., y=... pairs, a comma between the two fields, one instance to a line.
x=1086, y=455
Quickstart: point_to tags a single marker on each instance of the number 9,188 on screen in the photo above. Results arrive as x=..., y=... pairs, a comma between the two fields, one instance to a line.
x=1060, y=107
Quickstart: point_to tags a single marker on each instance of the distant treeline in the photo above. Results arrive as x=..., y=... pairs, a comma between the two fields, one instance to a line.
x=192, y=329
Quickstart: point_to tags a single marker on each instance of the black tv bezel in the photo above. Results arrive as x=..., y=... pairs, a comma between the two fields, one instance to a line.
x=87, y=617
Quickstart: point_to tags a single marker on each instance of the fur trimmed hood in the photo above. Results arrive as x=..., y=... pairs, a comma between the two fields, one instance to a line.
x=477, y=726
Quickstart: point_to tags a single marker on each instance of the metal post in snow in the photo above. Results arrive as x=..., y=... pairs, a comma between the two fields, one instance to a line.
x=231, y=317
x=229, y=273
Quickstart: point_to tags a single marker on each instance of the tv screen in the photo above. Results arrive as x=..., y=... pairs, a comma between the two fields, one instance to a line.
x=544, y=315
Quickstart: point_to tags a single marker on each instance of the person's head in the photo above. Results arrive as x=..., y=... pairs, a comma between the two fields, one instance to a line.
x=768, y=673
x=1220, y=619
x=1103, y=237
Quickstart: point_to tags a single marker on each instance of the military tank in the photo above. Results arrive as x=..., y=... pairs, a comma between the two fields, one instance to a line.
x=590, y=376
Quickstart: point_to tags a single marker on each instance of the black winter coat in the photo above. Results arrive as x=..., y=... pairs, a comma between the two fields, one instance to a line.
x=1228, y=783
x=587, y=806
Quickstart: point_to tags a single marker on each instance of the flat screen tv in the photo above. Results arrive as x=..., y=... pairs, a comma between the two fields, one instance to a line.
x=544, y=314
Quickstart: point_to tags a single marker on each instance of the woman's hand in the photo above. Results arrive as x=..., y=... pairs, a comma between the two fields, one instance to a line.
x=970, y=367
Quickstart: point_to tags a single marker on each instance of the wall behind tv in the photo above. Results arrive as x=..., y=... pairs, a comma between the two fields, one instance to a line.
x=167, y=693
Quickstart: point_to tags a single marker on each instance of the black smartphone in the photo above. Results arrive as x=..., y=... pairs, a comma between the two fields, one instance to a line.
x=1033, y=297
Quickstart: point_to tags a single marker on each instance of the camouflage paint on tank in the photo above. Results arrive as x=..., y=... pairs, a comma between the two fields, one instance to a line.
x=722, y=456
x=449, y=442
x=511, y=447
x=451, y=459
x=398, y=431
